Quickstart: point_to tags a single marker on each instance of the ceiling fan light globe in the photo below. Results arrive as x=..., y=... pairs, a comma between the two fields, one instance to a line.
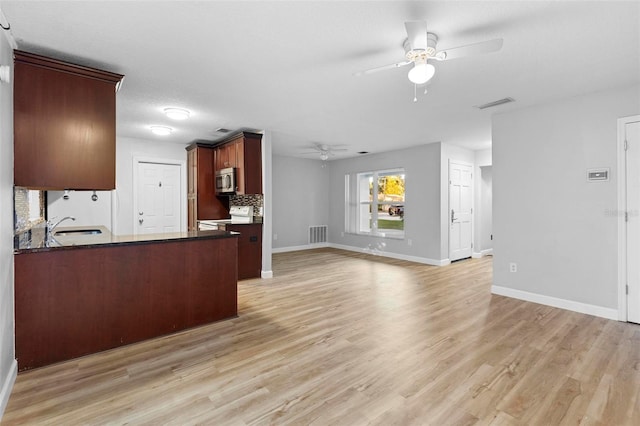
x=421, y=73
x=324, y=157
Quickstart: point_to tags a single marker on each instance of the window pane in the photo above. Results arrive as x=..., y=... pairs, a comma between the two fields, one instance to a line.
x=365, y=218
x=391, y=187
x=365, y=187
x=380, y=203
x=391, y=199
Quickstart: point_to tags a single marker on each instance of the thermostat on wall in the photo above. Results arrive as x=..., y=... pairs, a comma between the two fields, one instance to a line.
x=598, y=175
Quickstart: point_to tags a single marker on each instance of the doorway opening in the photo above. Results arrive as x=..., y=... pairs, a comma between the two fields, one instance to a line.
x=629, y=219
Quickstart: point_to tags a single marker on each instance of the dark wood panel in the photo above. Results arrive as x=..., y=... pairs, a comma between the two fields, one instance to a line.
x=64, y=125
x=249, y=250
x=71, y=303
x=206, y=204
x=253, y=164
x=246, y=150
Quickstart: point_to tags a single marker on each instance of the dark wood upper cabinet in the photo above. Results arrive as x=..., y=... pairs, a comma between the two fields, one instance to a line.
x=202, y=203
x=64, y=124
x=244, y=152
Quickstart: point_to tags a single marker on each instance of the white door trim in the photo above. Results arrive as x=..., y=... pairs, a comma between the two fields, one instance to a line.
x=473, y=215
x=183, y=188
x=622, y=208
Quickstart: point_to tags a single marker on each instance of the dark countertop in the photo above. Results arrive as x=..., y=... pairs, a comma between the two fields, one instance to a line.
x=34, y=241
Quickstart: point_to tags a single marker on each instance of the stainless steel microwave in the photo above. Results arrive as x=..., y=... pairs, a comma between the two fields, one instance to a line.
x=226, y=181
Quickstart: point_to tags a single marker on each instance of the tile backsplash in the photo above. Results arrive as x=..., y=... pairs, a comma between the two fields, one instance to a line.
x=255, y=200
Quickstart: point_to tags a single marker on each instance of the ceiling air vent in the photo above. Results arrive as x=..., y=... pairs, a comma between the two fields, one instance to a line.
x=222, y=130
x=495, y=103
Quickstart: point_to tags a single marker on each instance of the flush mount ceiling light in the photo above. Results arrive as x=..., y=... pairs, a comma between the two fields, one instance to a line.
x=161, y=130
x=177, y=113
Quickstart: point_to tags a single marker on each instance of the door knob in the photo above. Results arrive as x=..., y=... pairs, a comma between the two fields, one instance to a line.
x=140, y=221
x=452, y=216
x=140, y=213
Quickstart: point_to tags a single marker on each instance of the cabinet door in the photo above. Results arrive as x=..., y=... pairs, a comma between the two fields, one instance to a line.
x=230, y=149
x=192, y=213
x=64, y=125
x=252, y=165
x=249, y=250
x=192, y=188
x=240, y=169
x=206, y=189
x=192, y=172
x=208, y=205
x=220, y=158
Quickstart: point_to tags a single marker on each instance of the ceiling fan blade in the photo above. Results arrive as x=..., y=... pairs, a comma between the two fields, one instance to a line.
x=338, y=149
x=417, y=34
x=470, y=50
x=382, y=68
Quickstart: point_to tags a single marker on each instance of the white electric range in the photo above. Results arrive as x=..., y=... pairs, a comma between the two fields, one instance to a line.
x=239, y=214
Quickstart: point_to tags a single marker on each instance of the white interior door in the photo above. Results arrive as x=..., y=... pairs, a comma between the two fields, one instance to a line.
x=460, y=210
x=632, y=133
x=158, y=198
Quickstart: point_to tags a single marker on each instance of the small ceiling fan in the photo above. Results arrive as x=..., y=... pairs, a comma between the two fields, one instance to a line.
x=324, y=150
x=421, y=47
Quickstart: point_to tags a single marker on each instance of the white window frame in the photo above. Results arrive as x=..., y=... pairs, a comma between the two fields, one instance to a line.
x=363, y=205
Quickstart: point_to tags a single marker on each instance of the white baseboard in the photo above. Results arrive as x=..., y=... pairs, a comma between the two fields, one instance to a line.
x=266, y=274
x=416, y=259
x=298, y=248
x=483, y=253
x=570, y=305
x=406, y=257
x=7, y=386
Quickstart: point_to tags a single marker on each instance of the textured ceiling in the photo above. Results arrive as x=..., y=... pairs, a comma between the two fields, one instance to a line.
x=287, y=66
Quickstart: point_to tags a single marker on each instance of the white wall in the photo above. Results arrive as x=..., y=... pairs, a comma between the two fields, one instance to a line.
x=80, y=205
x=422, y=219
x=485, y=210
x=300, y=199
x=126, y=150
x=546, y=217
x=449, y=153
x=267, y=206
x=8, y=366
x=482, y=202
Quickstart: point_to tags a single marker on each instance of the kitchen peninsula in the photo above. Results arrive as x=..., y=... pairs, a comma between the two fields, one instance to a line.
x=77, y=298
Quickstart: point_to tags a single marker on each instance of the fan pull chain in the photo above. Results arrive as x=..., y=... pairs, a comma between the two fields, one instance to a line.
x=415, y=91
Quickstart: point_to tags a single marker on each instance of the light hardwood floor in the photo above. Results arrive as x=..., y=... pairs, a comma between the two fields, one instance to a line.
x=344, y=338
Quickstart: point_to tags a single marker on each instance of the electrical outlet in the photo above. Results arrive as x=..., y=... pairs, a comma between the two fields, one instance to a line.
x=513, y=267
x=409, y=242
x=275, y=237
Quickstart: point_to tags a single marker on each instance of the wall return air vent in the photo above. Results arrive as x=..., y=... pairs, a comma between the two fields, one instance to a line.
x=495, y=103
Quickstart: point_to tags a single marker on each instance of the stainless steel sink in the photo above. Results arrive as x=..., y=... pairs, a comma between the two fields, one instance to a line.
x=72, y=232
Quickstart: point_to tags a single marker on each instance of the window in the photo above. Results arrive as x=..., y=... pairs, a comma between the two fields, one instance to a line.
x=378, y=203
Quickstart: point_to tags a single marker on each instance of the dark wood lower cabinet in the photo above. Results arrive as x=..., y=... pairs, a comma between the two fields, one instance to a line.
x=74, y=302
x=249, y=249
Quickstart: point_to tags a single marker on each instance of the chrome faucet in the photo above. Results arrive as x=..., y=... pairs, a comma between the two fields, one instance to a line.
x=51, y=226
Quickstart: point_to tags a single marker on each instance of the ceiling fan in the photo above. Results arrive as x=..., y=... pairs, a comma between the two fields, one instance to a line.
x=324, y=150
x=421, y=47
